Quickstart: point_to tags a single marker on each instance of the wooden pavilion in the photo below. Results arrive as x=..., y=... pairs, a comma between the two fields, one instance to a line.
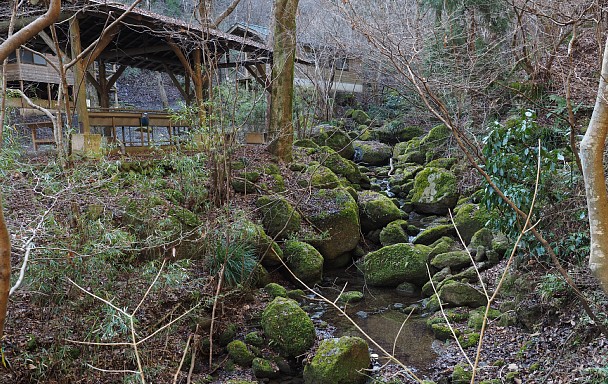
x=99, y=32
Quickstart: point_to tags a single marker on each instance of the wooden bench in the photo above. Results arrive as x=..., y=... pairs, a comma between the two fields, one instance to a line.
x=36, y=129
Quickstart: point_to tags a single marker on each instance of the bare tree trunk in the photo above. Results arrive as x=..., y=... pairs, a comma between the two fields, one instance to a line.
x=6, y=48
x=592, y=152
x=281, y=120
x=161, y=90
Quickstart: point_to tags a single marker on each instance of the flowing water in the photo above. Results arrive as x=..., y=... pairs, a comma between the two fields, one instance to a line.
x=380, y=314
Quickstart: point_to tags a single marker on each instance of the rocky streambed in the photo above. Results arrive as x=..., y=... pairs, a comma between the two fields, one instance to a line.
x=381, y=222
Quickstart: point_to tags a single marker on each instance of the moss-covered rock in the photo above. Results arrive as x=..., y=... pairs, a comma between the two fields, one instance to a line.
x=476, y=316
x=394, y=264
x=469, y=219
x=468, y=340
x=377, y=210
x=442, y=162
x=372, y=152
x=442, y=331
x=242, y=185
x=455, y=260
x=340, y=166
x=434, y=141
x=462, y=374
x=254, y=338
x=319, y=176
x=335, y=213
x=462, y=294
x=482, y=238
x=296, y=294
x=305, y=143
x=359, y=116
x=335, y=138
x=396, y=131
x=240, y=353
x=275, y=290
x=288, y=327
x=304, y=261
x=442, y=245
x=435, y=191
x=395, y=232
x=431, y=234
x=279, y=218
x=339, y=361
x=350, y=297
x=264, y=369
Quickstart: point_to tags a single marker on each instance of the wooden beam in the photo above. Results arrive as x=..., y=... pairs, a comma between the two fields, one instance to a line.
x=114, y=78
x=182, y=58
x=102, y=44
x=176, y=83
x=117, y=53
x=243, y=63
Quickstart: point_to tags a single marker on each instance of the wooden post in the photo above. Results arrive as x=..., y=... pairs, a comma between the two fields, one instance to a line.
x=79, y=78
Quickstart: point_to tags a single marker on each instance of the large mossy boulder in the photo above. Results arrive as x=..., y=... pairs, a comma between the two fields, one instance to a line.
x=395, y=264
x=433, y=141
x=455, y=260
x=304, y=261
x=279, y=218
x=339, y=361
x=469, y=219
x=435, y=191
x=372, y=152
x=240, y=353
x=319, y=176
x=335, y=214
x=395, y=232
x=265, y=369
x=376, y=210
x=462, y=295
x=335, y=138
x=409, y=152
x=340, y=166
x=359, y=116
x=431, y=234
x=288, y=327
x=396, y=131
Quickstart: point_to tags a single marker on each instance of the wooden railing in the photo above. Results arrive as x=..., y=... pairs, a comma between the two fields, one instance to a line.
x=126, y=128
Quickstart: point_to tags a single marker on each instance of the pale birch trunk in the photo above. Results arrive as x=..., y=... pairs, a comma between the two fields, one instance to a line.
x=592, y=153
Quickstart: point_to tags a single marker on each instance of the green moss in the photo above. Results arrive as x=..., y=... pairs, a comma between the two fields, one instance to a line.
x=272, y=169
x=278, y=183
x=305, y=143
x=469, y=219
x=442, y=331
x=279, y=218
x=350, y=296
x=469, y=340
x=432, y=234
x=304, y=261
x=340, y=166
x=360, y=117
x=394, y=233
x=461, y=374
x=443, y=162
x=296, y=294
x=335, y=138
x=264, y=369
x=275, y=290
x=476, y=316
x=320, y=177
x=267, y=250
x=372, y=152
x=339, y=361
x=288, y=327
x=394, y=264
x=461, y=294
x=454, y=259
x=334, y=213
x=255, y=339
x=435, y=191
x=185, y=216
x=239, y=353
x=377, y=210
